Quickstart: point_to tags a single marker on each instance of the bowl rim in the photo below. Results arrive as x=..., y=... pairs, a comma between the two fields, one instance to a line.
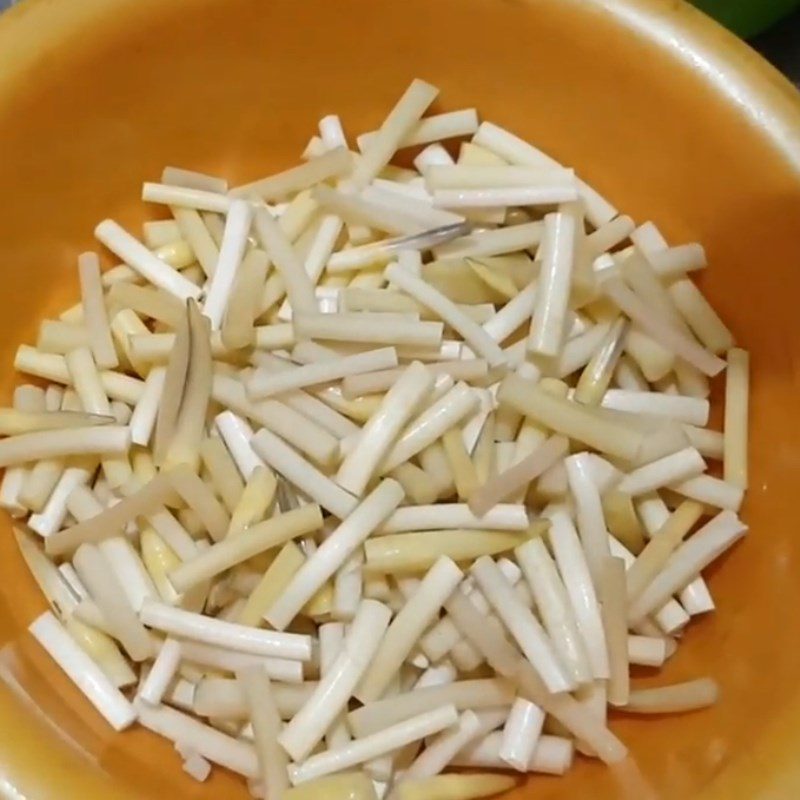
x=762, y=96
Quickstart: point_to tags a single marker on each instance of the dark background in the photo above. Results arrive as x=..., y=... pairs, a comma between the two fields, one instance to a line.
x=781, y=45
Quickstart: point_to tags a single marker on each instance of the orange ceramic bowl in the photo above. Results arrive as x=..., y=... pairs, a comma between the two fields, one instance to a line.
x=667, y=114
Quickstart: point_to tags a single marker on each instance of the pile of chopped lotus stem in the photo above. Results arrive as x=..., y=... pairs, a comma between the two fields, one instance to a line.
x=356, y=473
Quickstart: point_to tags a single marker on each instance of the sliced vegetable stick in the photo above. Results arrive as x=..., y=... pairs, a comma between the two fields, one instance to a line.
x=508, y=482
x=380, y=381
x=689, y=410
x=711, y=444
x=265, y=383
x=553, y=755
x=186, y=197
x=675, y=262
x=414, y=552
x=255, y=500
x=521, y=734
x=712, y=491
x=292, y=466
x=594, y=381
x=589, y=513
x=653, y=359
x=331, y=646
x=195, y=232
x=280, y=418
x=553, y=604
x=549, y=316
x=238, y=547
x=334, y=551
x=104, y=439
x=230, y=635
x=677, y=698
x=153, y=303
x=160, y=232
x=661, y=546
x=493, y=176
x=223, y=472
x=420, y=610
x=516, y=151
x=60, y=337
x=622, y=521
x=27, y=399
x=94, y=312
x=397, y=126
x=436, y=467
x=608, y=236
x=614, y=611
x=701, y=316
x=383, y=742
x=278, y=246
x=272, y=761
x=200, y=499
x=504, y=658
x=332, y=693
x=379, y=253
x=374, y=328
x=454, y=787
x=148, y=265
x=48, y=521
x=432, y=423
x=737, y=389
x=103, y=651
x=574, y=570
x=332, y=164
x=161, y=674
x=217, y=747
x=424, y=293
x=455, y=515
x=238, y=325
x=671, y=618
x=521, y=624
x=159, y=559
x=231, y=252
x=225, y=659
x=440, y=750
x=461, y=466
x=412, y=202
x=570, y=419
x=379, y=434
x=96, y=573
x=502, y=197
x=273, y=582
x=236, y=434
x=688, y=561
x=145, y=501
x=129, y=570
x=223, y=698
x=648, y=651
x=352, y=785
x=432, y=129
x=465, y=694
x=363, y=210
x=14, y=422
x=674, y=468
x=661, y=328
x=184, y=444
x=82, y=671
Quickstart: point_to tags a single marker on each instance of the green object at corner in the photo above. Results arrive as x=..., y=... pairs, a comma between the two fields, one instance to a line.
x=747, y=17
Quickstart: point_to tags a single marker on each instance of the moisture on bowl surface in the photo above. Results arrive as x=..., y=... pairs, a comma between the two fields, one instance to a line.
x=496, y=290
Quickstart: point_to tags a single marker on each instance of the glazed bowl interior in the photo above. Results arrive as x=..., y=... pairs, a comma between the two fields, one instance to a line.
x=665, y=113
